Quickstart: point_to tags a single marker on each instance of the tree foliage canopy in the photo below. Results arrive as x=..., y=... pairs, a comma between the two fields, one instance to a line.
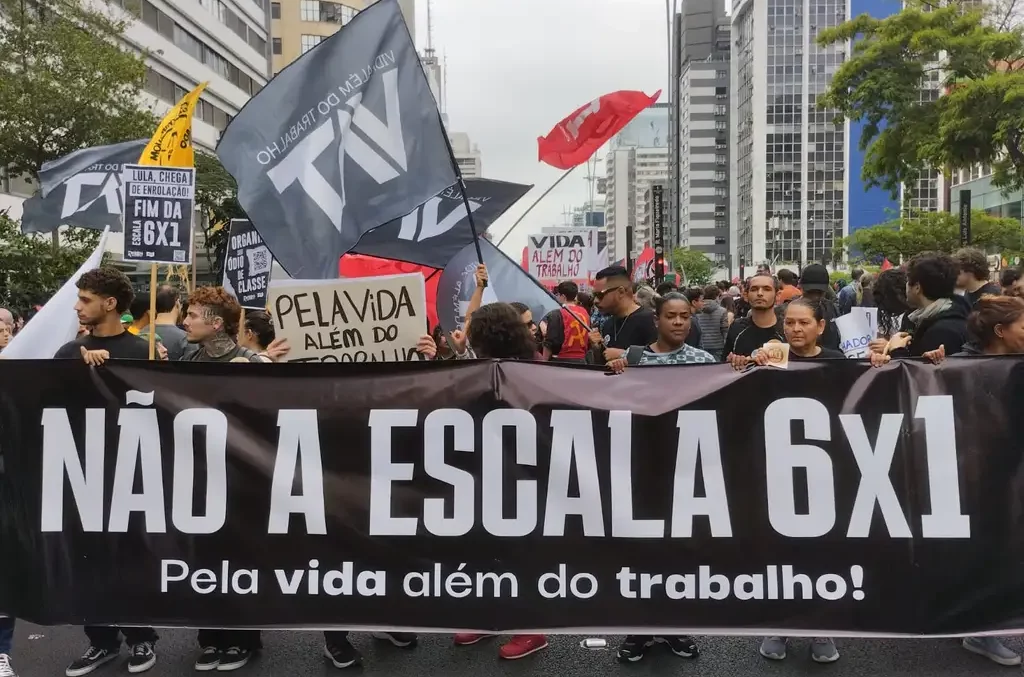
x=66, y=82
x=217, y=198
x=932, y=231
x=695, y=266
x=975, y=57
x=30, y=270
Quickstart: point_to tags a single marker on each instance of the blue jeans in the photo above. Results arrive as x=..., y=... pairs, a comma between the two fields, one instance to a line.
x=6, y=634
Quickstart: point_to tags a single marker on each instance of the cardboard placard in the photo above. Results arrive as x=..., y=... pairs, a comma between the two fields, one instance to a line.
x=569, y=254
x=368, y=319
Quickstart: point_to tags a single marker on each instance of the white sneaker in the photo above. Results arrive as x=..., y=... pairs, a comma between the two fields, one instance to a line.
x=5, y=666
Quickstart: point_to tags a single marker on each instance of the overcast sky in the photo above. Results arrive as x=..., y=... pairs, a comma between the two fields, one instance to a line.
x=517, y=67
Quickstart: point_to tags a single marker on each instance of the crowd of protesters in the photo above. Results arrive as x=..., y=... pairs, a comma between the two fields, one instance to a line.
x=936, y=307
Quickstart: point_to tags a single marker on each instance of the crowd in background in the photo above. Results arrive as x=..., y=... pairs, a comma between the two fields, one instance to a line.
x=934, y=306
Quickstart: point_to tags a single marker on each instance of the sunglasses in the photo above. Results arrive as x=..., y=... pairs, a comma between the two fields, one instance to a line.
x=601, y=294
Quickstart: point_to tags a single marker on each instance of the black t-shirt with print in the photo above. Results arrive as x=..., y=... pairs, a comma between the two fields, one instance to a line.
x=745, y=337
x=124, y=346
x=637, y=329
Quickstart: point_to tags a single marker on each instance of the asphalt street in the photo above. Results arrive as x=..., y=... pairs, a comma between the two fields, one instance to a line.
x=46, y=651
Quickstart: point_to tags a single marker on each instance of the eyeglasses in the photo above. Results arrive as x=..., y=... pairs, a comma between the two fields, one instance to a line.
x=601, y=294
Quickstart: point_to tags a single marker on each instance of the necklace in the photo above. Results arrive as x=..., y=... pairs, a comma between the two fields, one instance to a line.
x=618, y=330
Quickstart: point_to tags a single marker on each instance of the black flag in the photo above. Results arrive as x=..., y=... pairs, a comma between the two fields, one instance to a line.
x=343, y=140
x=82, y=189
x=506, y=281
x=436, y=231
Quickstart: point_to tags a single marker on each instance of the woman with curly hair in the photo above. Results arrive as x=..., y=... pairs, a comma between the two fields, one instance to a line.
x=890, y=294
x=496, y=332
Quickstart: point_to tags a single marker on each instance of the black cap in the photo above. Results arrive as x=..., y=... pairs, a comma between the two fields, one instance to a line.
x=814, y=278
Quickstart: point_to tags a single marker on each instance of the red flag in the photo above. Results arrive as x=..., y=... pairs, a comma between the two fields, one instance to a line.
x=643, y=267
x=359, y=265
x=885, y=264
x=577, y=137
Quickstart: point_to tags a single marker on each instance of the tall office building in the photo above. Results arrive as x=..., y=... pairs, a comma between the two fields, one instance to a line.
x=704, y=152
x=223, y=42
x=797, y=177
x=790, y=177
x=467, y=155
x=186, y=43
x=300, y=25
x=589, y=215
x=639, y=158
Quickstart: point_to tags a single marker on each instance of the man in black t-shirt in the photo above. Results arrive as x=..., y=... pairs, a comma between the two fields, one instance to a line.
x=747, y=334
x=628, y=324
x=103, y=295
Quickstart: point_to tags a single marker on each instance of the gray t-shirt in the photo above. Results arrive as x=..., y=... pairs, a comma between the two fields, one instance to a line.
x=173, y=339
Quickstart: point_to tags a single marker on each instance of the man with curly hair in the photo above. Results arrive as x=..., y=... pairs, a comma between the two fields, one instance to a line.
x=104, y=294
x=973, y=278
x=212, y=325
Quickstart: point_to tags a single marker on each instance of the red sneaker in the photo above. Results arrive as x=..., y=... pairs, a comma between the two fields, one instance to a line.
x=467, y=638
x=521, y=646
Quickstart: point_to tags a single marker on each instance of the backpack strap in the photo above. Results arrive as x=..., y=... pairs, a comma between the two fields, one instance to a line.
x=246, y=353
x=634, y=354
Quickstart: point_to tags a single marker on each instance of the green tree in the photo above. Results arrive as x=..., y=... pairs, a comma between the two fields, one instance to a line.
x=979, y=119
x=30, y=270
x=66, y=83
x=932, y=231
x=217, y=199
x=695, y=266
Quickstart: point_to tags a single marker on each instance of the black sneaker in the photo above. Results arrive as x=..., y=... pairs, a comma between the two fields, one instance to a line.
x=680, y=645
x=342, y=654
x=94, y=657
x=208, y=660
x=403, y=640
x=233, y=658
x=633, y=647
x=143, y=657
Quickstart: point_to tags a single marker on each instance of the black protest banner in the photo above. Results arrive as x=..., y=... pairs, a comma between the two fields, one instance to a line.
x=367, y=319
x=828, y=498
x=247, y=265
x=158, y=208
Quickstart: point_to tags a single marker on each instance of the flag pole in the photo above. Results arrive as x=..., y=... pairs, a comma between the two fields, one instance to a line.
x=535, y=202
x=152, y=310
